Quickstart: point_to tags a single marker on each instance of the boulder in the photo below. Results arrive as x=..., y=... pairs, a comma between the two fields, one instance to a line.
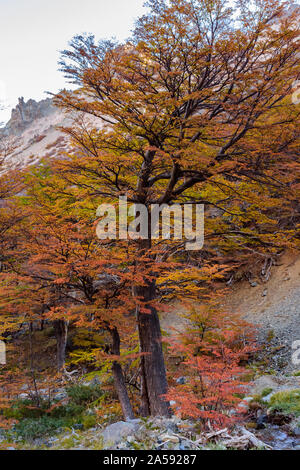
x=276, y=383
x=264, y=382
x=116, y=432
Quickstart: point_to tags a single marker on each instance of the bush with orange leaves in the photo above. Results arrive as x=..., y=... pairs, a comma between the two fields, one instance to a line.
x=215, y=348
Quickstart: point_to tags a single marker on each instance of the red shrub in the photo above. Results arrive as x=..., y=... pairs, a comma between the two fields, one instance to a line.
x=213, y=348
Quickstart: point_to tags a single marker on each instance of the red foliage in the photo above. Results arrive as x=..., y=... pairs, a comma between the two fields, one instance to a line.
x=213, y=348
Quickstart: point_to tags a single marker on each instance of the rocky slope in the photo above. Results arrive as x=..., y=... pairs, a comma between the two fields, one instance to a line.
x=274, y=305
x=33, y=133
x=25, y=113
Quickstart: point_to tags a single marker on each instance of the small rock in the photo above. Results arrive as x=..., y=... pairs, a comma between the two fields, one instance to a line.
x=248, y=399
x=181, y=380
x=267, y=399
x=261, y=420
x=78, y=426
x=170, y=438
x=60, y=396
x=296, y=431
x=122, y=446
x=24, y=387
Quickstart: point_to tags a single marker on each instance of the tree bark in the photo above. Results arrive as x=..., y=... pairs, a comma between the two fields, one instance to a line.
x=153, y=372
x=119, y=379
x=145, y=405
x=61, y=333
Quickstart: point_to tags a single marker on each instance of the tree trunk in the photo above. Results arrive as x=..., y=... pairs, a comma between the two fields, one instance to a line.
x=119, y=377
x=61, y=333
x=154, y=380
x=145, y=405
x=32, y=370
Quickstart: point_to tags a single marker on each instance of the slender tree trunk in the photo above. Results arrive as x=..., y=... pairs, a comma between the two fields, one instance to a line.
x=61, y=333
x=145, y=405
x=153, y=372
x=119, y=379
x=36, y=392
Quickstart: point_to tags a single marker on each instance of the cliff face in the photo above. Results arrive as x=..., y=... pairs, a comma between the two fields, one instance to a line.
x=25, y=113
x=32, y=133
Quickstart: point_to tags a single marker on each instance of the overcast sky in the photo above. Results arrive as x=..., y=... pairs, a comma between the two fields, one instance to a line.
x=32, y=32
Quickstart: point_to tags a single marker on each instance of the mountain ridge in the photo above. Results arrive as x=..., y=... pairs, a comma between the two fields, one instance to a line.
x=33, y=133
x=24, y=114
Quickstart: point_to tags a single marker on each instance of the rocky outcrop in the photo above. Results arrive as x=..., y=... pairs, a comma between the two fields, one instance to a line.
x=34, y=133
x=275, y=383
x=26, y=113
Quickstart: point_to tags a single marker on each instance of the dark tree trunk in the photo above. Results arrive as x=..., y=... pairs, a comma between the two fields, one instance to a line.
x=153, y=372
x=119, y=379
x=145, y=405
x=61, y=333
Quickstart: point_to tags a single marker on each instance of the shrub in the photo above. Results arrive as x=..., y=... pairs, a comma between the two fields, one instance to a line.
x=29, y=428
x=84, y=394
x=213, y=347
x=69, y=410
x=287, y=402
x=89, y=421
x=35, y=422
x=21, y=409
x=266, y=392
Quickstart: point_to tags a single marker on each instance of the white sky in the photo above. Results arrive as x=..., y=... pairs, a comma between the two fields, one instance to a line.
x=32, y=32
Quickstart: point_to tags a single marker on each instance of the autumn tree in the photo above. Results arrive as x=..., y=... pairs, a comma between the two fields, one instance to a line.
x=181, y=111
x=11, y=183
x=62, y=273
